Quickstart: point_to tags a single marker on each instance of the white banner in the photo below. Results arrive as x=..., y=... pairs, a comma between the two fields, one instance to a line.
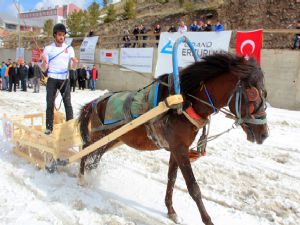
x=87, y=49
x=20, y=54
x=109, y=56
x=68, y=41
x=205, y=43
x=137, y=59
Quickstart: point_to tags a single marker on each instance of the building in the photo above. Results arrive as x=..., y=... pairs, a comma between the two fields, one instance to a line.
x=113, y=2
x=8, y=22
x=58, y=14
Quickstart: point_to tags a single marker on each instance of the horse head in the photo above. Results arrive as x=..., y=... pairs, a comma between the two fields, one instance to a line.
x=248, y=103
x=231, y=81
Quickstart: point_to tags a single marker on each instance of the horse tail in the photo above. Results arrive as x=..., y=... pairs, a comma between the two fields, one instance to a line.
x=84, y=119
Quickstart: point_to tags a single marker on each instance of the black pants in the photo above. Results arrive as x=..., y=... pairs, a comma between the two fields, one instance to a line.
x=73, y=84
x=24, y=84
x=52, y=86
x=81, y=84
x=11, y=83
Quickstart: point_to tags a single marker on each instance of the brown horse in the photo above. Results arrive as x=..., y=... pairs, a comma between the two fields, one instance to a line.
x=228, y=80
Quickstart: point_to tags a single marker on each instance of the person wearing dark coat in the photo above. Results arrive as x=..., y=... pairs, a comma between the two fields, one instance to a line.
x=143, y=30
x=208, y=26
x=157, y=30
x=23, y=76
x=81, y=73
x=135, y=32
x=172, y=29
x=73, y=78
x=37, y=75
x=13, y=77
x=30, y=75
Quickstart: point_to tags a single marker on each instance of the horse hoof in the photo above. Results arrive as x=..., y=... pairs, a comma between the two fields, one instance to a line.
x=174, y=218
x=81, y=180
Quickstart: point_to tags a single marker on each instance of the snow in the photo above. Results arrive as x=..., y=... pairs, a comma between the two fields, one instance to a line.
x=241, y=182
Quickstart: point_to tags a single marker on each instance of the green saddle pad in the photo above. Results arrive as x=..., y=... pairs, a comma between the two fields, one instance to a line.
x=143, y=101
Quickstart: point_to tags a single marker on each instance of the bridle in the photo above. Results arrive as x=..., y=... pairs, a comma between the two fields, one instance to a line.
x=254, y=115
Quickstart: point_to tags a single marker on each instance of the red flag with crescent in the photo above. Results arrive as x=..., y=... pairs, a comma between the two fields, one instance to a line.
x=249, y=43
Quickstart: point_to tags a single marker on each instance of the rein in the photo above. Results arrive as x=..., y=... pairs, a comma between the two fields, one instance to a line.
x=238, y=91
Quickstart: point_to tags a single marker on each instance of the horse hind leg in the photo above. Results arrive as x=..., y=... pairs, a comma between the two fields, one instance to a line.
x=92, y=160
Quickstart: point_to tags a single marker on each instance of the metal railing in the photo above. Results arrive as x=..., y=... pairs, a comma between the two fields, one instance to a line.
x=116, y=41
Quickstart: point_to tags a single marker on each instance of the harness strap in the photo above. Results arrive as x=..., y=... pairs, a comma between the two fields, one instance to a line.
x=59, y=53
x=199, y=123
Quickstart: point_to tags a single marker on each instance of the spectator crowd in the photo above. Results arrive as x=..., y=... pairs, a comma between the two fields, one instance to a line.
x=24, y=76
x=138, y=39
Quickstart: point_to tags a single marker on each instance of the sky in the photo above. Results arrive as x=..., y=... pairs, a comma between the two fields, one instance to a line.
x=9, y=7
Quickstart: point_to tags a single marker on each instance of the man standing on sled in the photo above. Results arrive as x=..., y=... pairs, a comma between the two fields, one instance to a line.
x=56, y=58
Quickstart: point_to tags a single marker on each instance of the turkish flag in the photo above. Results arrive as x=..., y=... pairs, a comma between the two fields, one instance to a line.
x=249, y=43
x=36, y=54
x=108, y=54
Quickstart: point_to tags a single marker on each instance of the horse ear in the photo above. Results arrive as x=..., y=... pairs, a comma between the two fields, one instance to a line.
x=252, y=94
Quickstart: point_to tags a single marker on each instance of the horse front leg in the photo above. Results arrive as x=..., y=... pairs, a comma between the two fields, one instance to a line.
x=172, y=175
x=180, y=153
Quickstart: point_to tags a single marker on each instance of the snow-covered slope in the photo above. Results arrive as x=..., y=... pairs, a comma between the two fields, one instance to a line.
x=242, y=183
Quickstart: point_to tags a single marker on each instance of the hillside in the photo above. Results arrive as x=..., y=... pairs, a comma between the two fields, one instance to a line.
x=234, y=14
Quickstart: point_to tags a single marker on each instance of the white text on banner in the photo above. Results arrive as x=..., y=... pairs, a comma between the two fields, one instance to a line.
x=87, y=49
x=205, y=43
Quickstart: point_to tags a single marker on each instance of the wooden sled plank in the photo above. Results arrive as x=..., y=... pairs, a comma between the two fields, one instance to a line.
x=161, y=108
x=39, y=163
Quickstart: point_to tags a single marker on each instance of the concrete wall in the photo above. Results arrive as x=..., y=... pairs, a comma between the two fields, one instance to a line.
x=282, y=77
x=281, y=69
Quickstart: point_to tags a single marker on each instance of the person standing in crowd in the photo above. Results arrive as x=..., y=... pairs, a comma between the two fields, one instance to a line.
x=88, y=78
x=30, y=75
x=81, y=73
x=135, y=32
x=182, y=27
x=297, y=36
x=201, y=26
x=94, y=77
x=56, y=58
x=157, y=31
x=8, y=66
x=0, y=78
x=73, y=78
x=126, y=39
x=208, y=26
x=3, y=69
x=194, y=26
x=18, y=78
x=172, y=29
x=91, y=33
x=218, y=26
x=37, y=75
x=13, y=73
x=143, y=30
x=23, y=75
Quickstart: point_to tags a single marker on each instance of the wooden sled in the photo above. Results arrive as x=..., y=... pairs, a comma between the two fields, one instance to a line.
x=26, y=133
x=64, y=145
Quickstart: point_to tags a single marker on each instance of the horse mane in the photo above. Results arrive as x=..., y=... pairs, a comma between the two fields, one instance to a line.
x=216, y=65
